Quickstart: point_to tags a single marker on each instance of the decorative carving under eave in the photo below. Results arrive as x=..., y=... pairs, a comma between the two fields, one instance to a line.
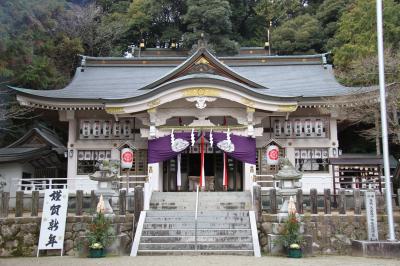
x=115, y=110
x=154, y=103
x=199, y=91
x=248, y=103
x=201, y=68
x=201, y=101
x=287, y=108
x=202, y=61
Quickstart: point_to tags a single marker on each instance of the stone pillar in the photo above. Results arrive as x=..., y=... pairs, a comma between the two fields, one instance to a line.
x=257, y=203
x=249, y=172
x=138, y=202
x=273, y=201
x=327, y=201
x=155, y=176
x=314, y=201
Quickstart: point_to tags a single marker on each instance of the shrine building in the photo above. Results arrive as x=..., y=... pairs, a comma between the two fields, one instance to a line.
x=224, y=119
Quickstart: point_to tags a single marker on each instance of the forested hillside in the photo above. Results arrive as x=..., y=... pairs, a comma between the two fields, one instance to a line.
x=40, y=39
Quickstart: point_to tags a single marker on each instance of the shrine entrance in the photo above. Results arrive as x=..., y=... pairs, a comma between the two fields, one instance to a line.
x=190, y=172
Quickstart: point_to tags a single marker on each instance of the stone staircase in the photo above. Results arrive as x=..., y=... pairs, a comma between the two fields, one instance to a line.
x=223, y=225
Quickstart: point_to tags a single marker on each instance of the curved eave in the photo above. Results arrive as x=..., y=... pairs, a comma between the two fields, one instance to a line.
x=209, y=81
x=191, y=60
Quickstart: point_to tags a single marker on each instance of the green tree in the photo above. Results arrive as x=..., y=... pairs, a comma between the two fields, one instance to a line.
x=356, y=35
x=328, y=14
x=301, y=34
x=212, y=18
x=159, y=22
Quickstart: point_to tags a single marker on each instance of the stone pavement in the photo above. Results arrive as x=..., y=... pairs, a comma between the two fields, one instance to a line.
x=199, y=260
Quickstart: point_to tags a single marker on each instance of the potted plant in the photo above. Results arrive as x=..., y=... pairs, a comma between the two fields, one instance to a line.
x=290, y=237
x=100, y=234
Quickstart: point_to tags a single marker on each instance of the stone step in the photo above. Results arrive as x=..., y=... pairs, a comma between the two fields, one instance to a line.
x=200, y=232
x=210, y=213
x=219, y=219
x=200, y=225
x=222, y=206
x=191, y=246
x=194, y=252
x=191, y=239
x=202, y=194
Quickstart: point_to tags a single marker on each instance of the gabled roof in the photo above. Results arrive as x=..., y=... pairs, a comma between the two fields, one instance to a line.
x=37, y=144
x=203, y=61
x=38, y=137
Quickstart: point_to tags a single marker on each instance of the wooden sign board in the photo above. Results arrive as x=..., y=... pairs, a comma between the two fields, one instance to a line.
x=54, y=215
x=372, y=222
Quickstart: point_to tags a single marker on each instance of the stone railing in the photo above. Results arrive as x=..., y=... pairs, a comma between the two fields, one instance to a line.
x=269, y=201
x=79, y=203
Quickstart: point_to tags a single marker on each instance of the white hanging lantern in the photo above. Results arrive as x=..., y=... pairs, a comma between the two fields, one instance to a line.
x=308, y=127
x=272, y=155
x=86, y=128
x=96, y=128
x=277, y=128
x=126, y=158
x=117, y=129
x=288, y=128
x=319, y=128
x=106, y=128
x=298, y=127
x=127, y=128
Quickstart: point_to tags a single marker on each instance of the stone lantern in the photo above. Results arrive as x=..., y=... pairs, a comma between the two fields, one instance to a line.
x=288, y=178
x=105, y=177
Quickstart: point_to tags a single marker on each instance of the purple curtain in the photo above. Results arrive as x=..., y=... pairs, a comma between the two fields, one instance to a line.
x=160, y=149
x=245, y=147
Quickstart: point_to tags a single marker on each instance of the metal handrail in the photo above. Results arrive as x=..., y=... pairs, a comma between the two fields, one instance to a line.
x=195, y=217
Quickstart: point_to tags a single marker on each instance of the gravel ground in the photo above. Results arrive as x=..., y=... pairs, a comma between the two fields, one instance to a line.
x=199, y=260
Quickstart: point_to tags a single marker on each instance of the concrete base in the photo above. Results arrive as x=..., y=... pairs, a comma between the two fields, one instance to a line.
x=383, y=249
x=276, y=249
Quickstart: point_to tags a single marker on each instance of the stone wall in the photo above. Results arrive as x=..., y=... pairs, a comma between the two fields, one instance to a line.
x=331, y=234
x=20, y=236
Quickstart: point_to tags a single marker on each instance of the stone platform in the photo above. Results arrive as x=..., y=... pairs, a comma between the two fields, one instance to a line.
x=384, y=249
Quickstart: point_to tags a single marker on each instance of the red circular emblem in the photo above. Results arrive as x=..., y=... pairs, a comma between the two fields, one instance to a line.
x=273, y=154
x=127, y=157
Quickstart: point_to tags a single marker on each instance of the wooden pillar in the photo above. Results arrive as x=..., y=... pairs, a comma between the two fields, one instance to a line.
x=357, y=201
x=5, y=202
x=257, y=203
x=93, y=202
x=79, y=203
x=138, y=204
x=272, y=201
x=327, y=201
x=299, y=201
x=122, y=202
x=342, y=201
x=19, y=204
x=35, y=203
x=314, y=201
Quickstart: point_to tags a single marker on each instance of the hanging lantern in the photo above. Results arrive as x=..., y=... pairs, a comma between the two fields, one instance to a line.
x=277, y=128
x=272, y=155
x=86, y=127
x=126, y=158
